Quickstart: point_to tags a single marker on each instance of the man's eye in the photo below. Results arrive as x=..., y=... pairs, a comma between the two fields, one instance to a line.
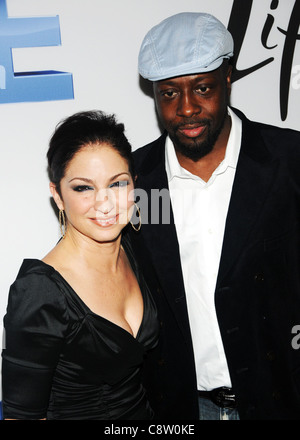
x=82, y=188
x=168, y=93
x=119, y=184
x=202, y=89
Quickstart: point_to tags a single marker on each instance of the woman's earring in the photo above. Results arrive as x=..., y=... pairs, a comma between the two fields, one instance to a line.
x=62, y=222
x=137, y=228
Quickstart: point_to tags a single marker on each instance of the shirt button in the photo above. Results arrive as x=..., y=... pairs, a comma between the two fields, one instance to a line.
x=270, y=355
x=276, y=395
x=259, y=277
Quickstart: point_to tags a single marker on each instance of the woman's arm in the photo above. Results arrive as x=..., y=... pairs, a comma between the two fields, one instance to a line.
x=35, y=325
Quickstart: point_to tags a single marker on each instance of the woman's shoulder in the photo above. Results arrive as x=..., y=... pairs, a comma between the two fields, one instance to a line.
x=36, y=301
x=37, y=281
x=36, y=271
x=34, y=266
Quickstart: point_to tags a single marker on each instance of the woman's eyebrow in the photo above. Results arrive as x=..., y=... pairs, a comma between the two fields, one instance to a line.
x=81, y=178
x=118, y=175
x=85, y=179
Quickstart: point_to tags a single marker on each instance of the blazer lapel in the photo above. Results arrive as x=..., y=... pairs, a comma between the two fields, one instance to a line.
x=254, y=175
x=160, y=236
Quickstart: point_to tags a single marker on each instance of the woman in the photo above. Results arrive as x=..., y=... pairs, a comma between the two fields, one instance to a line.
x=80, y=321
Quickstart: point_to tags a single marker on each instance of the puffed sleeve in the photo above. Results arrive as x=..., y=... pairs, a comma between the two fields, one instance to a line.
x=35, y=326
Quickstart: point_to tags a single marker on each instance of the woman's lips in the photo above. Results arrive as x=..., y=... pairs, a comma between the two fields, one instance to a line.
x=192, y=132
x=104, y=222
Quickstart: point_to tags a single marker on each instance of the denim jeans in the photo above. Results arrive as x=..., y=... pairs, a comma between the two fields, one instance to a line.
x=209, y=411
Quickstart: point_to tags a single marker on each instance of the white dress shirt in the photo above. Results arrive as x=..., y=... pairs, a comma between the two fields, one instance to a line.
x=200, y=210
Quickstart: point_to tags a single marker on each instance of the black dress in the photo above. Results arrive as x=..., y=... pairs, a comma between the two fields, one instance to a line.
x=62, y=361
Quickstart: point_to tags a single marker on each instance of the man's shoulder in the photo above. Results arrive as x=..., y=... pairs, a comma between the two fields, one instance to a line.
x=280, y=139
x=148, y=151
x=272, y=135
x=144, y=150
x=283, y=132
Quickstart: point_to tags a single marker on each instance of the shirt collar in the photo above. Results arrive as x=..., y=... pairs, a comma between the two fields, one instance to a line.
x=174, y=169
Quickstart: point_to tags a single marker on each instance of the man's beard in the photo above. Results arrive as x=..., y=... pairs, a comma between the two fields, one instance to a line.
x=195, y=149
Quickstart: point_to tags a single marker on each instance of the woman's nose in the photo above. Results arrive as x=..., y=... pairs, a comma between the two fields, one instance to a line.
x=104, y=202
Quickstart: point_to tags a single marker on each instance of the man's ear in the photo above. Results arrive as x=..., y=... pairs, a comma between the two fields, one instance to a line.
x=56, y=196
x=228, y=79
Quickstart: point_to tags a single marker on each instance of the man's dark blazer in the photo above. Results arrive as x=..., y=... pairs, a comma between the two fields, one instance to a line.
x=257, y=295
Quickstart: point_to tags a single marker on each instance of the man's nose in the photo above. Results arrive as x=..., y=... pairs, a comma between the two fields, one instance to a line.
x=189, y=105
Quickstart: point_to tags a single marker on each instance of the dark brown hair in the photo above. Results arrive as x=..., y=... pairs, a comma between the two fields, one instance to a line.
x=83, y=129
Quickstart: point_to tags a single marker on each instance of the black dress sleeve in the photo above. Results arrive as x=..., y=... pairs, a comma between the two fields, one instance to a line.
x=35, y=325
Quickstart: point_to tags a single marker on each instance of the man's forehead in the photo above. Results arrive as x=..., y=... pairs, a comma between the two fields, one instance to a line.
x=189, y=78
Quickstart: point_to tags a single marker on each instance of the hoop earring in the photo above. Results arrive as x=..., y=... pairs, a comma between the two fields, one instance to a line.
x=62, y=223
x=140, y=219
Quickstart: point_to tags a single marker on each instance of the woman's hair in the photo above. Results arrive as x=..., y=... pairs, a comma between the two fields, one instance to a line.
x=80, y=130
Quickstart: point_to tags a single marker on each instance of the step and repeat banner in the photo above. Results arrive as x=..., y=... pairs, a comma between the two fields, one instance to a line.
x=58, y=57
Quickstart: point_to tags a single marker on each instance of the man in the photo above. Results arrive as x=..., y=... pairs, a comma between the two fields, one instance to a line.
x=228, y=261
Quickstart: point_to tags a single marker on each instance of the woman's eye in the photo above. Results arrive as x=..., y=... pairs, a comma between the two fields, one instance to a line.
x=82, y=188
x=119, y=184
